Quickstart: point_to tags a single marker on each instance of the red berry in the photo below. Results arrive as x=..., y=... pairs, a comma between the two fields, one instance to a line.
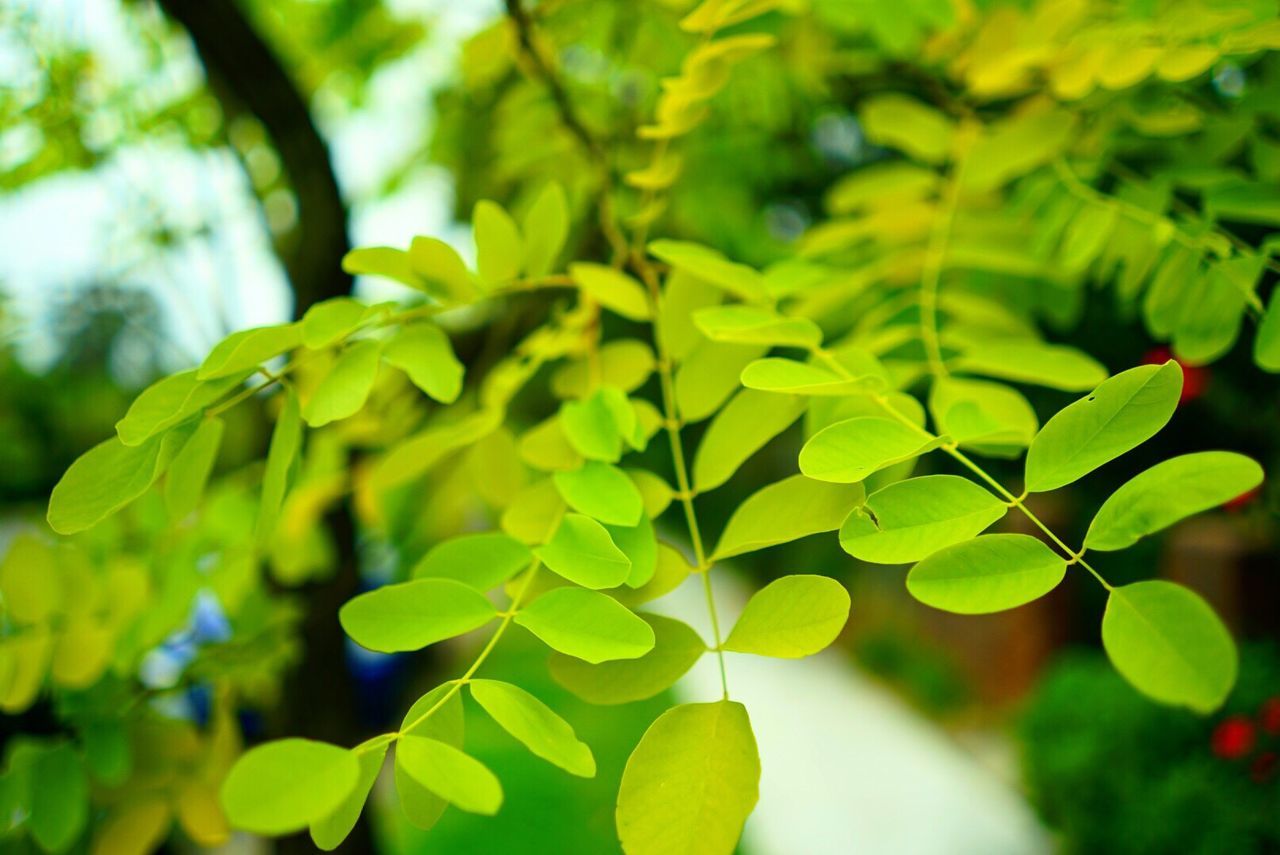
x=1195, y=379
x=1269, y=716
x=1233, y=738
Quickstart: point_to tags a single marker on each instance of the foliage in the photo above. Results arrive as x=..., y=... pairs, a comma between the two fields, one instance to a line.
x=898, y=328
x=1109, y=771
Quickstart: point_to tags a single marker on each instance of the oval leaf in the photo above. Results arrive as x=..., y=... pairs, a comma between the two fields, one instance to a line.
x=747, y=422
x=283, y=786
x=691, y=783
x=676, y=648
x=346, y=387
x=450, y=773
x=1120, y=415
x=910, y=520
x=329, y=831
x=849, y=451
x=793, y=508
x=601, y=491
x=1168, y=643
x=791, y=617
x=582, y=552
x=478, y=560
x=1168, y=492
x=612, y=289
x=988, y=574
x=412, y=615
x=534, y=724
x=423, y=352
x=588, y=625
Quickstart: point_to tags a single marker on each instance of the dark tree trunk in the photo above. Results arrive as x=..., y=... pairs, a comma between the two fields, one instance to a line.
x=247, y=77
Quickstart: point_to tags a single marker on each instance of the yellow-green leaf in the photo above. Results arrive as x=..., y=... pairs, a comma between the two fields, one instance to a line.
x=910, y=520
x=676, y=648
x=586, y=624
x=601, y=491
x=794, y=507
x=849, y=451
x=738, y=431
x=612, y=289
x=482, y=561
x=329, y=831
x=283, y=786
x=582, y=552
x=423, y=352
x=246, y=350
x=535, y=725
x=450, y=773
x=412, y=615
x=741, y=324
x=776, y=374
x=286, y=441
x=499, y=248
x=709, y=375
x=169, y=401
x=902, y=122
x=1052, y=365
x=346, y=387
x=446, y=723
x=545, y=227
x=712, y=268
x=990, y=573
x=791, y=617
x=189, y=472
x=691, y=783
x=1168, y=643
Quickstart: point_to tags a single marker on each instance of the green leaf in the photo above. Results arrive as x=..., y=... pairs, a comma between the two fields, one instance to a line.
x=346, y=387
x=902, y=122
x=169, y=401
x=59, y=808
x=1052, y=365
x=534, y=724
x=670, y=570
x=741, y=324
x=640, y=544
x=30, y=580
x=451, y=774
x=682, y=295
x=107, y=477
x=1266, y=345
x=623, y=363
x=602, y=491
x=709, y=375
x=792, y=508
x=582, y=552
x=1168, y=643
x=712, y=268
x=416, y=455
x=385, y=261
x=596, y=427
x=246, y=350
x=1210, y=320
x=848, y=451
x=283, y=786
x=691, y=783
x=423, y=352
x=990, y=573
x=499, y=249
x=329, y=831
x=286, y=442
x=441, y=269
x=586, y=624
x=612, y=289
x=676, y=647
x=791, y=617
x=327, y=322
x=191, y=467
x=1119, y=415
x=738, y=431
x=412, y=615
x=1168, y=492
x=988, y=418
x=910, y=520
x=545, y=227
x=776, y=374
x=446, y=724
x=482, y=561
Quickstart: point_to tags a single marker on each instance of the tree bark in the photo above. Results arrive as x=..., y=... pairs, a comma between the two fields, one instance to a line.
x=247, y=77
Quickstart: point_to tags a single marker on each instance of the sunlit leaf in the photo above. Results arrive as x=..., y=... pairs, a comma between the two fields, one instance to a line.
x=586, y=624
x=849, y=451
x=1052, y=365
x=1122, y=413
x=412, y=615
x=582, y=552
x=676, y=648
x=601, y=491
x=283, y=786
x=423, y=352
x=910, y=520
x=329, y=831
x=246, y=350
x=499, y=248
x=286, y=441
x=792, y=508
x=1167, y=642
x=344, y=390
x=545, y=227
x=482, y=561
x=612, y=288
x=534, y=724
x=191, y=467
x=791, y=617
x=990, y=573
x=741, y=324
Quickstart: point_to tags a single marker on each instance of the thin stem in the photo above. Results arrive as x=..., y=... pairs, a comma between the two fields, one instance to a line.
x=936, y=251
x=684, y=490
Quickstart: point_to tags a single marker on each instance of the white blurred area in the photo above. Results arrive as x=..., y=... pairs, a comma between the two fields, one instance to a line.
x=846, y=766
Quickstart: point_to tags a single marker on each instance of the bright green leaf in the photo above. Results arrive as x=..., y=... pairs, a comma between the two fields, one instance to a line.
x=439, y=266
x=691, y=783
x=747, y=422
x=586, y=624
x=639, y=543
x=910, y=520
x=246, y=350
x=329, y=831
x=1266, y=346
x=740, y=324
x=902, y=122
x=709, y=375
x=623, y=363
x=59, y=807
x=712, y=268
x=545, y=227
x=283, y=786
x=1168, y=492
x=451, y=774
x=989, y=418
x=791, y=617
x=446, y=723
x=286, y=442
x=423, y=352
x=848, y=451
x=792, y=508
x=597, y=427
x=1121, y=414
x=189, y=472
x=482, y=561
x=602, y=491
x=385, y=261
x=535, y=724
x=169, y=401
x=990, y=573
x=1052, y=365
x=776, y=374
x=1166, y=641
x=328, y=322
x=499, y=248
x=412, y=615
x=612, y=289
x=676, y=648
x=582, y=552
x=344, y=390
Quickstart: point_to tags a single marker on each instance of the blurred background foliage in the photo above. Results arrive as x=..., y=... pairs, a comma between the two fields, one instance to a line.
x=175, y=169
